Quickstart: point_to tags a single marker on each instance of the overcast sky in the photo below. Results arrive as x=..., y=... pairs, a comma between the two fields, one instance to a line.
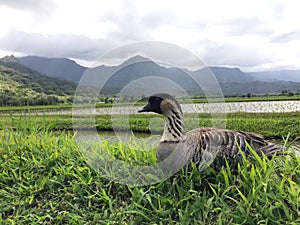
x=253, y=35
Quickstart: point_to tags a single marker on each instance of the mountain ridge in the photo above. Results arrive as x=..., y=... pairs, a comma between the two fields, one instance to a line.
x=232, y=80
x=285, y=75
x=54, y=67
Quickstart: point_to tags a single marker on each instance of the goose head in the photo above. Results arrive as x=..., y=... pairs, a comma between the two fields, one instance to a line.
x=168, y=106
x=162, y=103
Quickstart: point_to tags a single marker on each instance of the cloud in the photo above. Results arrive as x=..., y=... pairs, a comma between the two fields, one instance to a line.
x=231, y=33
x=158, y=18
x=131, y=25
x=247, y=25
x=60, y=45
x=234, y=54
x=286, y=37
x=37, y=7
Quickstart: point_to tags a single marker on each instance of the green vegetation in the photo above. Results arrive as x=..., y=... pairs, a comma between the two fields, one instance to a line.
x=22, y=86
x=44, y=179
x=26, y=108
x=271, y=125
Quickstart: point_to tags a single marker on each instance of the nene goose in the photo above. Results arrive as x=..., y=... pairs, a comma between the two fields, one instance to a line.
x=201, y=145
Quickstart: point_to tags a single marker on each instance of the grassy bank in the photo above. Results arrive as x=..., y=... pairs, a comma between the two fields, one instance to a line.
x=45, y=179
x=271, y=125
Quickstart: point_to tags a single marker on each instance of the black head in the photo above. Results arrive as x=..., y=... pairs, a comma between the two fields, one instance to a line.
x=155, y=103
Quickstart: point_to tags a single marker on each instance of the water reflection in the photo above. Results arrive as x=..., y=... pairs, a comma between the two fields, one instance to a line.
x=148, y=140
x=228, y=107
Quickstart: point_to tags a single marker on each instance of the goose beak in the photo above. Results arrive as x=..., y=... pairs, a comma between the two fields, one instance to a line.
x=147, y=108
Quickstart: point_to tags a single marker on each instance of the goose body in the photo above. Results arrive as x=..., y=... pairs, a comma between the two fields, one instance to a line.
x=201, y=145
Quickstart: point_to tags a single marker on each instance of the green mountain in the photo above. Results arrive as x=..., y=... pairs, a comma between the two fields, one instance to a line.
x=232, y=80
x=20, y=85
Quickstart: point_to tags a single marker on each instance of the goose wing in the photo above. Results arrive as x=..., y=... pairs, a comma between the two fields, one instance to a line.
x=228, y=143
x=203, y=145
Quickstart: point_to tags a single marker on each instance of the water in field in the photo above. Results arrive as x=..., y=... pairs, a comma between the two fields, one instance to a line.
x=228, y=107
x=248, y=107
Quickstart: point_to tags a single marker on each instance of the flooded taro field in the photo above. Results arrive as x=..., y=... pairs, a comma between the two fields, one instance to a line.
x=227, y=107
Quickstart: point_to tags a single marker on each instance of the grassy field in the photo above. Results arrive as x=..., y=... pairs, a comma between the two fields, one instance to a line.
x=45, y=179
x=271, y=125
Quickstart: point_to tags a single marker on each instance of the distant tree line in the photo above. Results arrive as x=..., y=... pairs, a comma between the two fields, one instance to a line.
x=10, y=98
x=289, y=93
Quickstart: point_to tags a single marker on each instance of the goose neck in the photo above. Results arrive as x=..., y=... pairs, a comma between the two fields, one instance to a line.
x=174, y=127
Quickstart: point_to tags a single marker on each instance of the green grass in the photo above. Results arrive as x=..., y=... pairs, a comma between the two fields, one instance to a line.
x=37, y=107
x=271, y=125
x=45, y=179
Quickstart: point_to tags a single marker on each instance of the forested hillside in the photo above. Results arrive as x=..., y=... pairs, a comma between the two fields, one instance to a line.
x=20, y=85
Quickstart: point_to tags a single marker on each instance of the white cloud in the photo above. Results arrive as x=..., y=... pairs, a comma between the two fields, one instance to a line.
x=249, y=34
x=37, y=7
x=60, y=45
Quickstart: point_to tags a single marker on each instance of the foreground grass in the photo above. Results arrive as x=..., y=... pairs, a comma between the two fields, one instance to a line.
x=45, y=179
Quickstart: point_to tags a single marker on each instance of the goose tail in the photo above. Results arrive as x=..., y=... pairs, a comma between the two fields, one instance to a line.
x=271, y=149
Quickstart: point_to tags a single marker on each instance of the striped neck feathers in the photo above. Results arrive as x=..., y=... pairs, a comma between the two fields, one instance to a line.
x=174, y=125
